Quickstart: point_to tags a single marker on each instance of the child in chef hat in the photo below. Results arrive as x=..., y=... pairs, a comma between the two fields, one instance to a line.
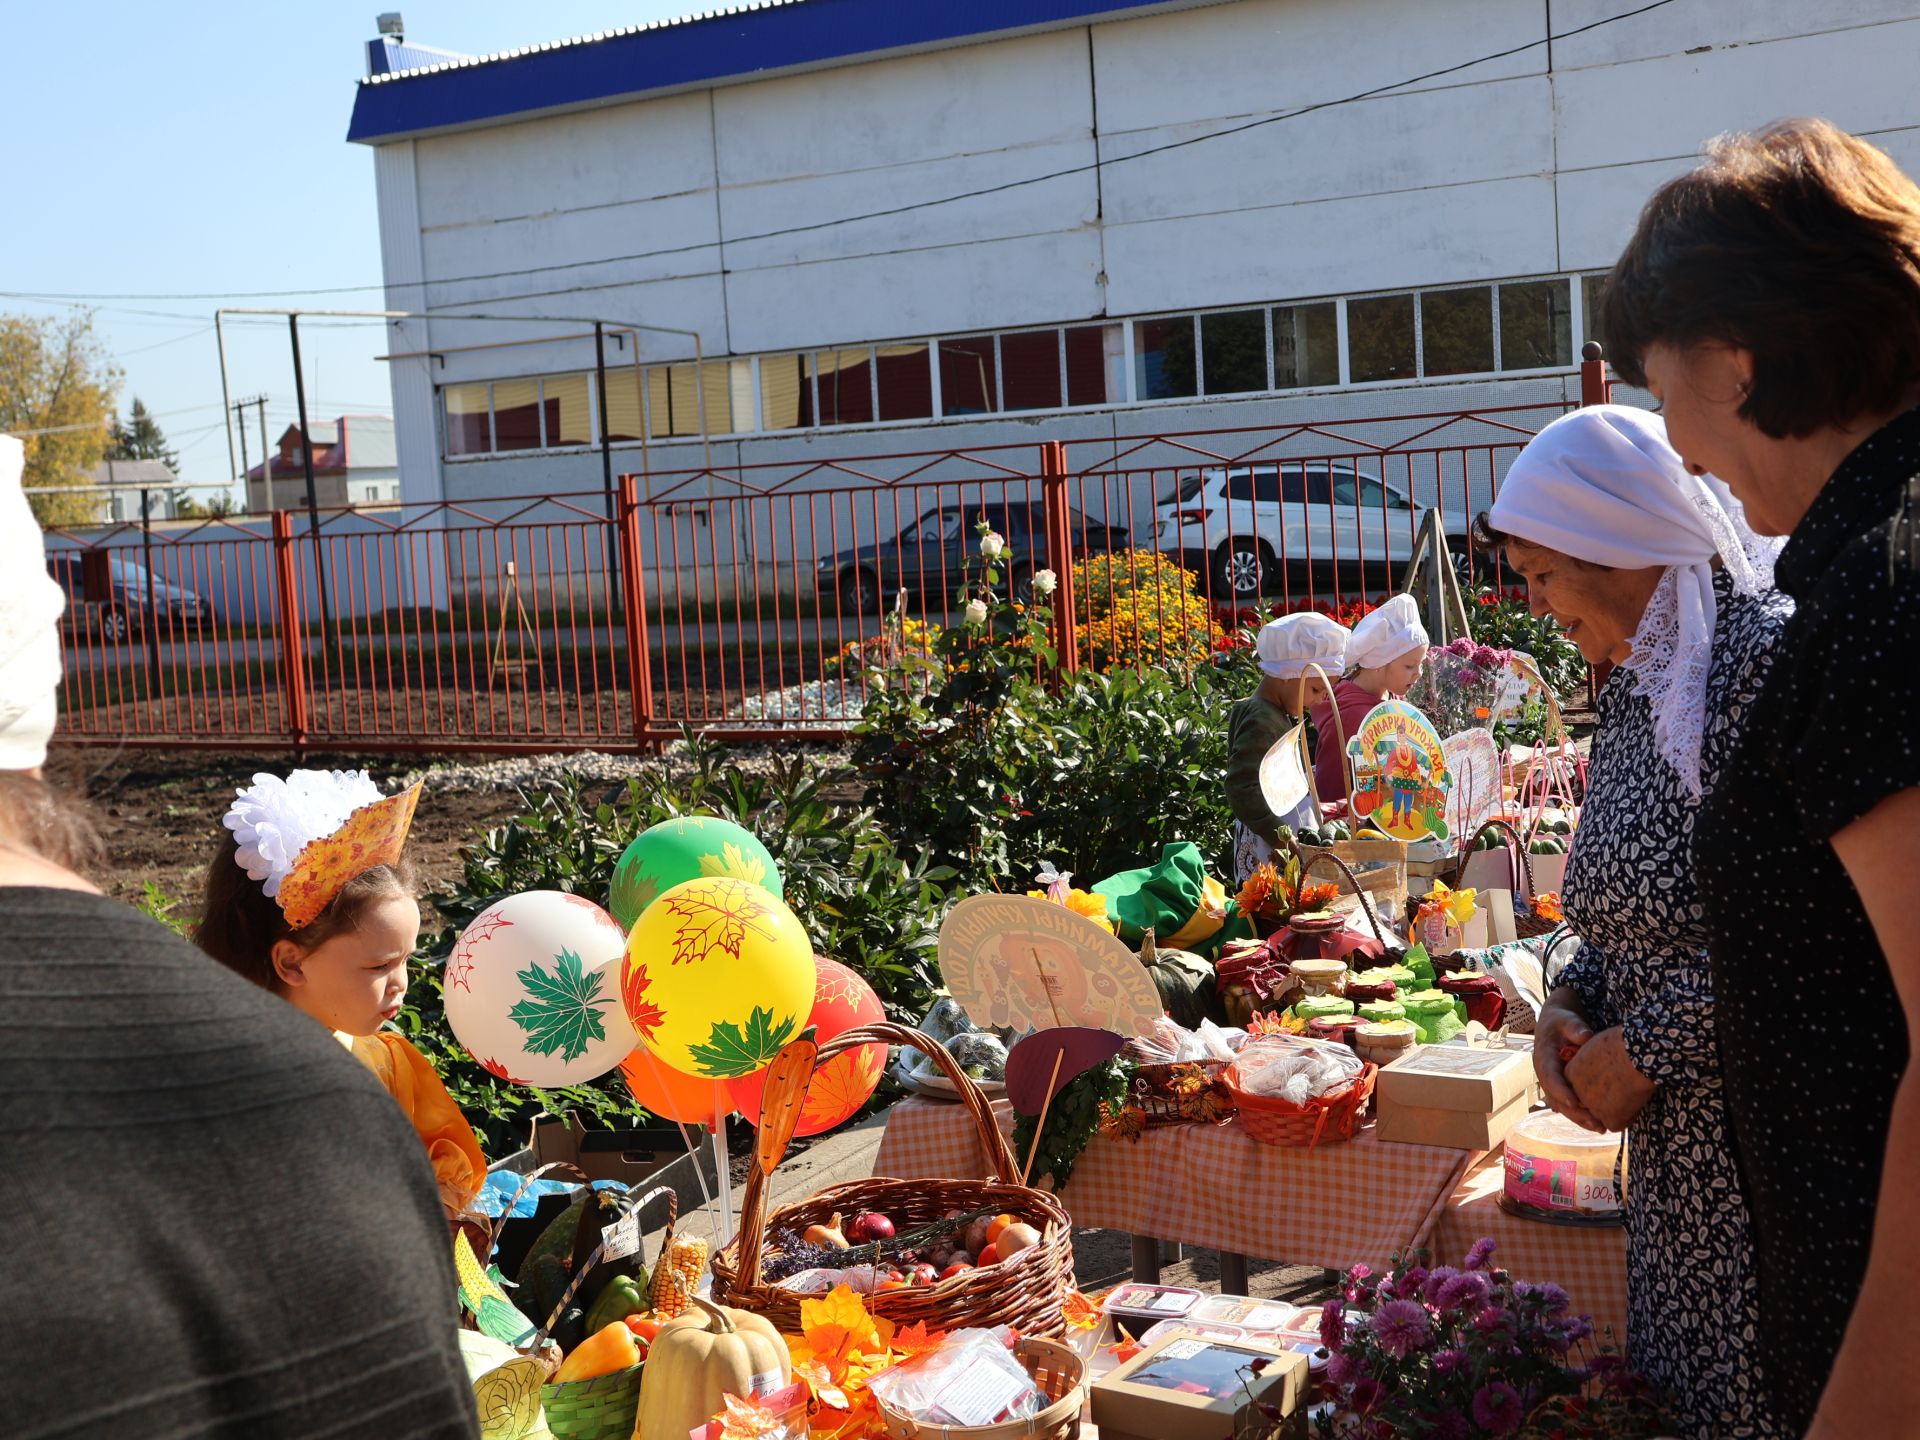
x=1296, y=653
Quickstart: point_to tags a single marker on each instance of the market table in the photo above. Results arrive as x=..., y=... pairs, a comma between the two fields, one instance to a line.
x=1590, y=1264
x=1362, y=1200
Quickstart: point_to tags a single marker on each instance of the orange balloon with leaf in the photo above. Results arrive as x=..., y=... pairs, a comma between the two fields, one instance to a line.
x=842, y=1001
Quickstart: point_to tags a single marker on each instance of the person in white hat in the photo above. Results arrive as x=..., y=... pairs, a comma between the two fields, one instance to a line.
x=1384, y=658
x=1296, y=654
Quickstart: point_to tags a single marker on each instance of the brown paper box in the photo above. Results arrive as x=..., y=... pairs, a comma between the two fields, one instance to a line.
x=1453, y=1095
x=1456, y=1129
x=1128, y=1409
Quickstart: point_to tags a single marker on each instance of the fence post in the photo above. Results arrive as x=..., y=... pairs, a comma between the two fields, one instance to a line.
x=293, y=630
x=633, y=595
x=1059, y=533
x=1595, y=388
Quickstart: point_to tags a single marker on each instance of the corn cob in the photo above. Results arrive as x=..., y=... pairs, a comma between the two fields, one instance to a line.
x=677, y=1276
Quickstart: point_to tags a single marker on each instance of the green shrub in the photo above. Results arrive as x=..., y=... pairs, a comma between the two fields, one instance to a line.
x=1502, y=621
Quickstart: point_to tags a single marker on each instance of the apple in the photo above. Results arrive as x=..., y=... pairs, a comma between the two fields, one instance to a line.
x=958, y=1267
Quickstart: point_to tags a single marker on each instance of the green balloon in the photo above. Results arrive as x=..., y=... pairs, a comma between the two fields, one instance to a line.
x=686, y=848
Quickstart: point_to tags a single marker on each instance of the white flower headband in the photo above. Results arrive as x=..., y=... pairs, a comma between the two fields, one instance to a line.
x=304, y=837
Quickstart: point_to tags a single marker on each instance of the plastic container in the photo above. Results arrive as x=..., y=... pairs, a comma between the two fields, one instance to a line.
x=1142, y=1305
x=1246, y=1312
x=1319, y=977
x=1558, y=1172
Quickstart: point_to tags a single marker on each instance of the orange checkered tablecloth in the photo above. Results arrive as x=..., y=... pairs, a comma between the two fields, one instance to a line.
x=1589, y=1264
x=1214, y=1185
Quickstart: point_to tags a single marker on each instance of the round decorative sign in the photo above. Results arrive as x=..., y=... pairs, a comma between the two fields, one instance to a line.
x=1400, y=778
x=719, y=976
x=533, y=990
x=1026, y=964
x=688, y=847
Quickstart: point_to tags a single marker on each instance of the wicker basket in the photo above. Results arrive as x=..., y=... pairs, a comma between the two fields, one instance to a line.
x=602, y=1408
x=1162, y=1106
x=1328, y=1118
x=1054, y=1368
x=1025, y=1291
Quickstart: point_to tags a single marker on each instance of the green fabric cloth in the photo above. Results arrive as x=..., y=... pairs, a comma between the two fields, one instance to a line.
x=1382, y=1010
x=1434, y=1015
x=1315, y=1007
x=1163, y=898
x=1253, y=725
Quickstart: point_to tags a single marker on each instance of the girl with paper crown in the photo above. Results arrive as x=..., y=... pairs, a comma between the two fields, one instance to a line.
x=1296, y=654
x=310, y=896
x=1384, y=658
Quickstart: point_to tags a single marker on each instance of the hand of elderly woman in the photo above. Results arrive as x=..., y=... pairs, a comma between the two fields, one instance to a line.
x=1561, y=1028
x=1606, y=1082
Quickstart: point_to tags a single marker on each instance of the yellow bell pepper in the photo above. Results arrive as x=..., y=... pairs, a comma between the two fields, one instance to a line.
x=607, y=1351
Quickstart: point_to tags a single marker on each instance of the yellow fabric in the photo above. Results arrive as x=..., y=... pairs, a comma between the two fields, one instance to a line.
x=458, y=1162
x=1206, y=921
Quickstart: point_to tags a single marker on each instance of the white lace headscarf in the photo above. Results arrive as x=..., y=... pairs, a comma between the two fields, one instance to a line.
x=30, y=604
x=1602, y=485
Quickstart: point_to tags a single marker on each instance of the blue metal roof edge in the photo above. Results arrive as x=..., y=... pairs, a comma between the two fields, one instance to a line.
x=770, y=38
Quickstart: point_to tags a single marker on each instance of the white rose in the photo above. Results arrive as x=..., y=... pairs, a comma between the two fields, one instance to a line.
x=1045, y=582
x=992, y=545
x=976, y=612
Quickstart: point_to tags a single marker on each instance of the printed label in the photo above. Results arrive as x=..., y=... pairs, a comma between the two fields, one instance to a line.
x=980, y=1395
x=1183, y=1349
x=1546, y=1184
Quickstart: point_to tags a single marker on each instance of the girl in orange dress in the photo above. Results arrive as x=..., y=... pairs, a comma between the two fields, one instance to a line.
x=310, y=896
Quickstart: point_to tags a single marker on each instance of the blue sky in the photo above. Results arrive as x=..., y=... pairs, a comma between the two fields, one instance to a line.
x=198, y=148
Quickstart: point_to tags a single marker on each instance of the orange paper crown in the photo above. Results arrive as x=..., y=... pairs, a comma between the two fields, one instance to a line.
x=373, y=835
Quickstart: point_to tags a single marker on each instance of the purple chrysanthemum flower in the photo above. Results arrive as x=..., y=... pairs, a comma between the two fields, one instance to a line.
x=1364, y=1395
x=1496, y=1408
x=1344, y=1369
x=1407, y=1287
x=1333, y=1324
x=1481, y=1252
x=1486, y=657
x=1435, y=1279
x=1465, y=1292
x=1450, y=1360
x=1447, y=1425
x=1552, y=1298
x=1401, y=1327
x=1493, y=1320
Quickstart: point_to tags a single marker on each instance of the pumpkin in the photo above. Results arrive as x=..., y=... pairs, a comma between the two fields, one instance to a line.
x=1185, y=982
x=697, y=1358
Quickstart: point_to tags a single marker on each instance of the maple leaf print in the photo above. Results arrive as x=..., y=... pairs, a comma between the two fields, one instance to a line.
x=485, y=928
x=562, y=1010
x=732, y=1051
x=717, y=917
x=499, y=1072
x=646, y=1015
x=836, y=986
x=733, y=863
x=600, y=916
x=459, y=970
x=838, y=1088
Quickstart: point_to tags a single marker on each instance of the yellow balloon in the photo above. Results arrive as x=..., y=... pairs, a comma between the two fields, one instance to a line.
x=719, y=976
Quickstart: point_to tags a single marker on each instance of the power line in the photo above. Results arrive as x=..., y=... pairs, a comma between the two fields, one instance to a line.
x=887, y=213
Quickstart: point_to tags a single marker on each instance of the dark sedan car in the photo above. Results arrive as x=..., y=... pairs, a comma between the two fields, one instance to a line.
x=927, y=558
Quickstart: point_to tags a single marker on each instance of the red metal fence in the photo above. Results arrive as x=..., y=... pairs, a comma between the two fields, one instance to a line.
x=744, y=602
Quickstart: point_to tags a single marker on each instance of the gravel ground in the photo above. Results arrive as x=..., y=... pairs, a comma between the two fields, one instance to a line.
x=534, y=771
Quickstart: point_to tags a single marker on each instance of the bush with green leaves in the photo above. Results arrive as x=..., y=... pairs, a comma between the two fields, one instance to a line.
x=1503, y=621
x=860, y=901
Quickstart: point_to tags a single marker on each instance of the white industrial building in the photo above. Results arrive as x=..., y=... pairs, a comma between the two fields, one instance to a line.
x=1175, y=218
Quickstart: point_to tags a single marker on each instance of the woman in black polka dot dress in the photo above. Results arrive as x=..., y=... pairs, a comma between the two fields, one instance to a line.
x=1654, y=570
x=1771, y=300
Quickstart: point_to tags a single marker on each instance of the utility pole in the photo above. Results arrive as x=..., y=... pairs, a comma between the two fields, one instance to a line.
x=266, y=455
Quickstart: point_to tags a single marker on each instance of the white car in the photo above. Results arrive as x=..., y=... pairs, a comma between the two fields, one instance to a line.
x=1239, y=526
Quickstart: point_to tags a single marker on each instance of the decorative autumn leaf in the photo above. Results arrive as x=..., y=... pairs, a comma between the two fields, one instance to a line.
x=508, y=1398
x=838, y=1329
x=643, y=892
x=500, y=1072
x=746, y=1419
x=646, y=1015
x=730, y=1051
x=838, y=1088
x=916, y=1339
x=732, y=863
x=562, y=1011
x=819, y=1376
x=1081, y=1312
x=717, y=917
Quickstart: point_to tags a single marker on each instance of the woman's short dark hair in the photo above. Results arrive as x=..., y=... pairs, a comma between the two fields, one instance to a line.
x=1799, y=243
x=55, y=826
x=240, y=922
x=1484, y=535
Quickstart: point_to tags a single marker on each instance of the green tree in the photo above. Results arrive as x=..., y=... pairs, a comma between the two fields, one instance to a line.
x=140, y=439
x=56, y=394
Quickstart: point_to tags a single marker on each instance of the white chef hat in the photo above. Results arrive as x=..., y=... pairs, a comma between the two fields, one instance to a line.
x=1386, y=634
x=30, y=604
x=1288, y=645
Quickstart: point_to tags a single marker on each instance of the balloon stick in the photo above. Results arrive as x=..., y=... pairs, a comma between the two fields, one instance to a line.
x=1040, y=1125
x=721, y=1163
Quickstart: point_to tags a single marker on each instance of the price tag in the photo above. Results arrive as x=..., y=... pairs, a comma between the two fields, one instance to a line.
x=622, y=1238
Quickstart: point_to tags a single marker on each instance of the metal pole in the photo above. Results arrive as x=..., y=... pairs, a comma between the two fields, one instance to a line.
x=244, y=466
x=266, y=454
x=146, y=547
x=606, y=467
x=313, y=504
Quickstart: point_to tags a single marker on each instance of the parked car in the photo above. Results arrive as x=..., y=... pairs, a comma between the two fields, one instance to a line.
x=926, y=558
x=1239, y=524
x=123, y=612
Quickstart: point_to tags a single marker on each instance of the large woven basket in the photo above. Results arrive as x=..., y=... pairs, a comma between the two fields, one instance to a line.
x=1025, y=1292
x=1054, y=1368
x=1324, y=1119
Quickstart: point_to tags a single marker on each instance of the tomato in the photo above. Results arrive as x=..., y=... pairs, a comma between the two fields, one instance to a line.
x=953, y=1270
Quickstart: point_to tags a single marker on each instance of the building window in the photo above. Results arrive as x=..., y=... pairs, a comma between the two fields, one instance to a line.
x=1233, y=351
x=568, y=406
x=969, y=376
x=1536, y=326
x=1030, y=370
x=516, y=415
x=843, y=379
x=1093, y=353
x=1163, y=358
x=1456, y=331
x=786, y=398
x=677, y=405
x=904, y=378
x=1380, y=338
x=468, y=428
x=623, y=404
x=1591, y=288
x=1306, y=345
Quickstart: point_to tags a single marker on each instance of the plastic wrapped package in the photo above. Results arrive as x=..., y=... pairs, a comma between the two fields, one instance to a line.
x=971, y=1379
x=1293, y=1069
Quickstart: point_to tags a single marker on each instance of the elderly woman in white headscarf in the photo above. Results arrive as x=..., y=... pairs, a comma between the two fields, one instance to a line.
x=1384, y=658
x=1654, y=570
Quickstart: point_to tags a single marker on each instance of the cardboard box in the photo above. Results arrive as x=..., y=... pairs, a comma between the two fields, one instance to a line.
x=1188, y=1387
x=1453, y=1095
x=639, y=1159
